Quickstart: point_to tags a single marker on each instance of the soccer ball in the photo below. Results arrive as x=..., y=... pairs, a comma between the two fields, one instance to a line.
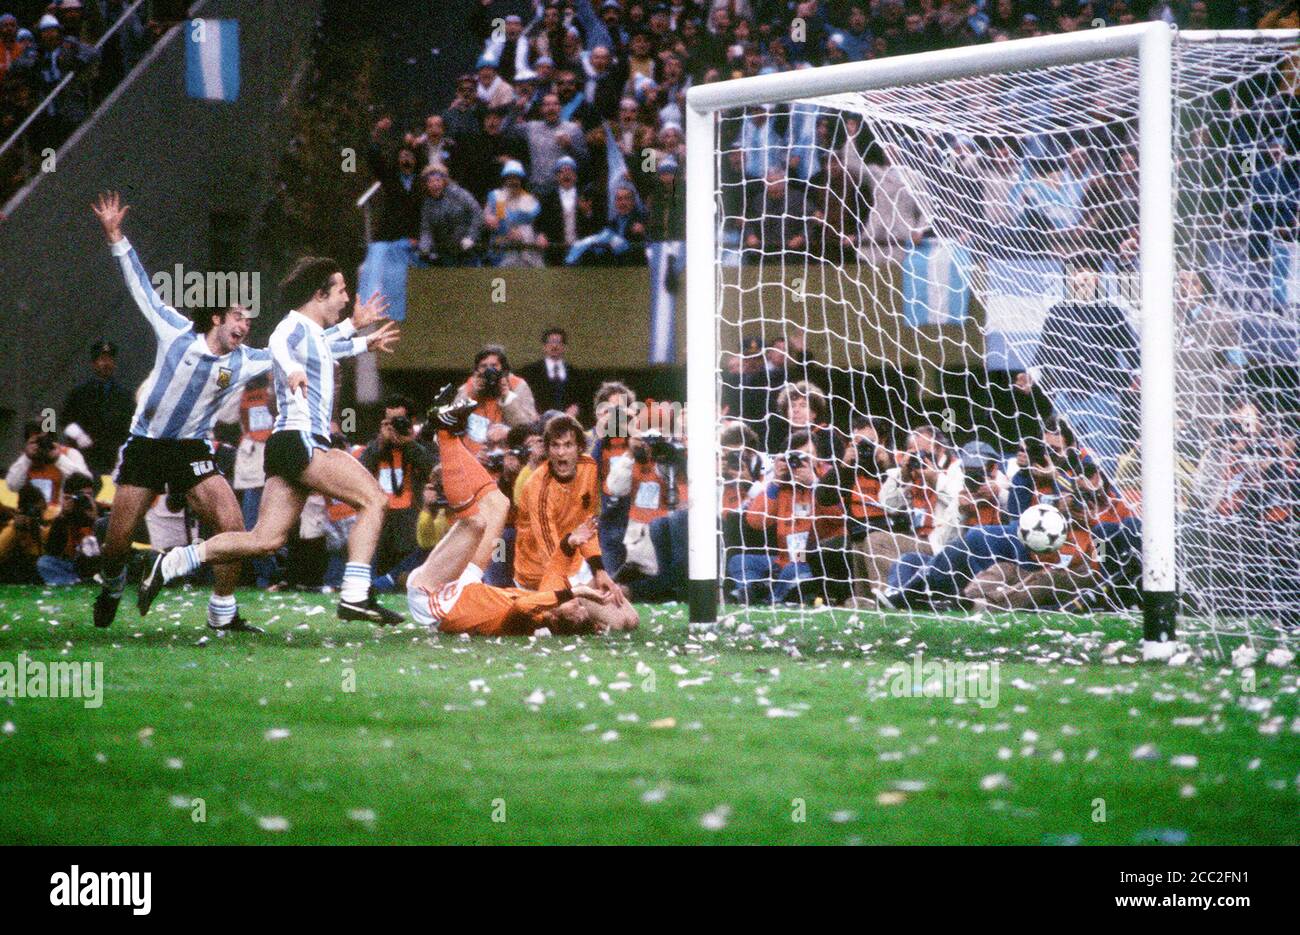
x=1042, y=528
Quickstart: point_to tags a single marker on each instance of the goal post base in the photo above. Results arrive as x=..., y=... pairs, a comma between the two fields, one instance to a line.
x=1159, y=611
x=702, y=599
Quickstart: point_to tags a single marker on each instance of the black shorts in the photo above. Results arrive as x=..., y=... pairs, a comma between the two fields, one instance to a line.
x=171, y=464
x=288, y=453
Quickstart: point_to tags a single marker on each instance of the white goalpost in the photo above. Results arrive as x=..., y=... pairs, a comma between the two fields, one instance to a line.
x=958, y=245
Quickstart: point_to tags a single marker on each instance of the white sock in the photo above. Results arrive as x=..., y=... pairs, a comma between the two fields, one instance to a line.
x=180, y=562
x=221, y=610
x=356, y=582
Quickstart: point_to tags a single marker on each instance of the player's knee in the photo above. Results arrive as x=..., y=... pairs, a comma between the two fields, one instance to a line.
x=495, y=504
x=268, y=541
x=375, y=500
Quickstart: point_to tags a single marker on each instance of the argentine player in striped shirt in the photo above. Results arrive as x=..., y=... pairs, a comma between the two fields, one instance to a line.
x=198, y=366
x=298, y=457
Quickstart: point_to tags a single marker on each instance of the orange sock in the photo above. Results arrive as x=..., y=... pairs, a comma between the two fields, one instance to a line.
x=464, y=480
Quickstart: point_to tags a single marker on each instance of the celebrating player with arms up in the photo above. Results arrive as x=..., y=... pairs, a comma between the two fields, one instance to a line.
x=298, y=457
x=194, y=374
x=447, y=591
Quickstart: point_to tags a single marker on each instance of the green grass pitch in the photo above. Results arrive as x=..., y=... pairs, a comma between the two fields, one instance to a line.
x=780, y=730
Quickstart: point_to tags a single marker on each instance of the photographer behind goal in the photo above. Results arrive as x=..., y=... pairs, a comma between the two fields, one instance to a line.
x=504, y=399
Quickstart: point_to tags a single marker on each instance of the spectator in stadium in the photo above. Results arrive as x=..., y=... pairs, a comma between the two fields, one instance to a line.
x=567, y=215
x=46, y=63
x=555, y=383
x=45, y=464
x=71, y=549
x=481, y=157
x=492, y=90
x=1274, y=207
x=463, y=117
x=509, y=216
x=897, y=221
x=451, y=221
x=10, y=47
x=97, y=413
x=401, y=465
x=503, y=398
x=508, y=48
x=434, y=145
x=777, y=217
x=574, y=105
x=621, y=242
x=1090, y=391
x=549, y=139
x=401, y=195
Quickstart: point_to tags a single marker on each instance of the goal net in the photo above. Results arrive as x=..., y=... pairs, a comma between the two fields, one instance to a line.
x=938, y=305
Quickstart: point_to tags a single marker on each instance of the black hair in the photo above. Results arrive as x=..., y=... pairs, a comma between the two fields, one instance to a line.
x=564, y=335
x=398, y=401
x=310, y=275
x=489, y=350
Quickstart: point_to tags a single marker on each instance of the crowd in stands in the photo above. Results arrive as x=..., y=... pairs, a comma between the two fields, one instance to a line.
x=41, y=43
x=566, y=144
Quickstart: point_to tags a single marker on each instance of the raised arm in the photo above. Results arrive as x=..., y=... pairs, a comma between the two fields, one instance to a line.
x=165, y=320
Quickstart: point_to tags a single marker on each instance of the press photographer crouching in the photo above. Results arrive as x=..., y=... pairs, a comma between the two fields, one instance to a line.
x=22, y=537
x=794, y=524
x=652, y=475
x=71, y=547
x=852, y=484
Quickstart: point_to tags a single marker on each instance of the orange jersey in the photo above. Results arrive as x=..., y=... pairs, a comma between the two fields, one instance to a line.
x=548, y=510
x=467, y=605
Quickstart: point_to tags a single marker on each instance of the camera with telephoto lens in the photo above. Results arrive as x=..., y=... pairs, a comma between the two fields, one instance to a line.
x=866, y=457
x=669, y=457
x=491, y=377
x=46, y=444
x=401, y=425
x=659, y=448
x=975, y=478
x=495, y=461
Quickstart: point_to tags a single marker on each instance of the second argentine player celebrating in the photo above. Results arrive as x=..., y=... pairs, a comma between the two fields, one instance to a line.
x=298, y=457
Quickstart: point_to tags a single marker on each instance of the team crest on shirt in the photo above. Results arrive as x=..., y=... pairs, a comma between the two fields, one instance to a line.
x=223, y=377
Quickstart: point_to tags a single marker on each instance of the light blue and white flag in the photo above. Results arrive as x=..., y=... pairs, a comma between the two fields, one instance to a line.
x=212, y=59
x=936, y=283
x=665, y=259
x=1020, y=292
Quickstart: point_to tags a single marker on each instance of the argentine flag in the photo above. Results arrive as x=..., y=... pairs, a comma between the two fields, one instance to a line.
x=212, y=59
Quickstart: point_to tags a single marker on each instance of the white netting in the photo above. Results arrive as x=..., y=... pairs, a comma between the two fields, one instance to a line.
x=947, y=268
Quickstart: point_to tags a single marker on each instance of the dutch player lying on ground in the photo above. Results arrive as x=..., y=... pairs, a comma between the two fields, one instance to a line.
x=197, y=367
x=447, y=591
x=298, y=456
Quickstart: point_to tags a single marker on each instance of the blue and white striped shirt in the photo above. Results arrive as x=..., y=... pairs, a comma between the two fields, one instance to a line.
x=300, y=344
x=188, y=384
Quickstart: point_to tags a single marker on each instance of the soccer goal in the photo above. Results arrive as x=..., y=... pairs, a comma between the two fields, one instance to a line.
x=1071, y=258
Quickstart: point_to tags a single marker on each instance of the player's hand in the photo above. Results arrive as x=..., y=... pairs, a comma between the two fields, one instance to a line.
x=384, y=338
x=365, y=314
x=297, y=381
x=111, y=212
x=591, y=594
x=583, y=533
x=609, y=588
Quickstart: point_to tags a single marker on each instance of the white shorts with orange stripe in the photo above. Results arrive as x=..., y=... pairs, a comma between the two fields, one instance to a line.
x=431, y=608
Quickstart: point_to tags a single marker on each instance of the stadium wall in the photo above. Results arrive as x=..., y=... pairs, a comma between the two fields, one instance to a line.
x=853, y=315
x=196, y=174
